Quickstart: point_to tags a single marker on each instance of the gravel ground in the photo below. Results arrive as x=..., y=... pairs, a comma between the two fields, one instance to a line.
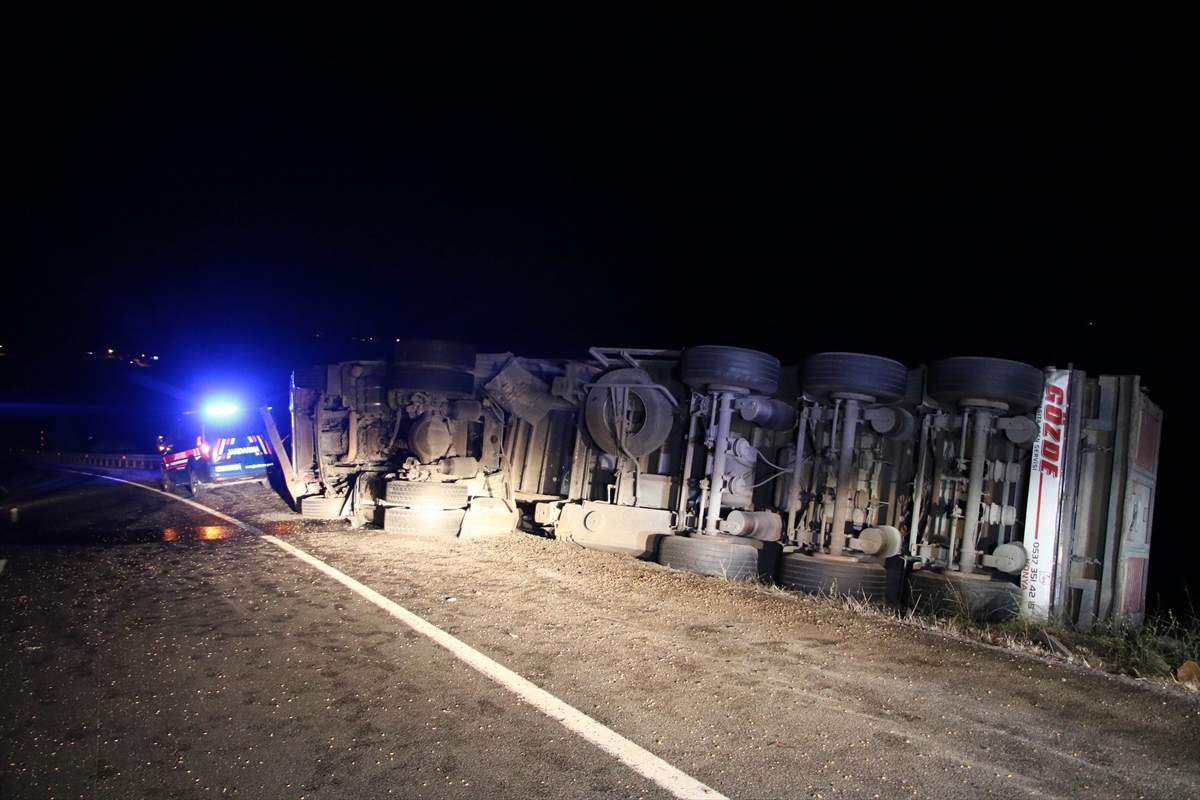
x=759, y=692
x=799, y=695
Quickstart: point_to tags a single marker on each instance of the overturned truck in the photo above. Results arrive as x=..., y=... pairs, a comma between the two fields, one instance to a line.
x=975, y=483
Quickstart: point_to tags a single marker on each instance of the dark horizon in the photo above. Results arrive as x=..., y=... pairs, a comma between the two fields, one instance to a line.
x=918, y=185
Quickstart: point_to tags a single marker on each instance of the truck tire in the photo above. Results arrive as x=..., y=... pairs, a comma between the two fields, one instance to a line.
x=701, y=367
x=992, y=379
x=720, y=556
x=954, y=594
x=434, y=353
x=320, y=507
x=316, y=378
x=648, y=433
x=427, y=521
x=453, y=383
x=165, y=480
x=816, y=575
x=854, y=373
x=426, y=495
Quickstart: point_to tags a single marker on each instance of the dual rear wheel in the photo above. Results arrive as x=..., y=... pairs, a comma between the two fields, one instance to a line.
x=431, y=509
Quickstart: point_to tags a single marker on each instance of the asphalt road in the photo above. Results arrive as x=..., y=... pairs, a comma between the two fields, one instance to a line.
x=150, y=648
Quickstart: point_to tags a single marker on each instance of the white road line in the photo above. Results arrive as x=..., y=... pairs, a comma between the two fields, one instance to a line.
x=204, y=508
x=640, y=760
x=637, y=758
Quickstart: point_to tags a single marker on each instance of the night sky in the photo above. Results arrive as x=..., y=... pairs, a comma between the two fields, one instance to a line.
x=243, y=194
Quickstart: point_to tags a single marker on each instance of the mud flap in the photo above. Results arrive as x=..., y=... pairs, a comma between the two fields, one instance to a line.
x=488, y=516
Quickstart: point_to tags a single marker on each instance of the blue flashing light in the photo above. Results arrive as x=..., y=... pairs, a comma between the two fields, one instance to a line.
x=221, y=409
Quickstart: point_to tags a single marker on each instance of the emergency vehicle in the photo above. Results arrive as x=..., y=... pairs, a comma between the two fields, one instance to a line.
x=218, y=446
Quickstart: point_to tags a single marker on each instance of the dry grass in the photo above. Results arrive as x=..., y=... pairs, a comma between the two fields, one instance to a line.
x=1152, y=651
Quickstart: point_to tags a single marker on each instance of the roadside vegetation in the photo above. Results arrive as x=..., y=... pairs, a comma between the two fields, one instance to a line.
x=1154, y=651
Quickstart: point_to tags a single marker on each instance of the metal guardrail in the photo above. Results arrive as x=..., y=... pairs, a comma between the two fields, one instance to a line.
x=119, y=460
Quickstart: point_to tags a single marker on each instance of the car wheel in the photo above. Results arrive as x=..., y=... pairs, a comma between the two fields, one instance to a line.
x=165, y=480
x=193, y=483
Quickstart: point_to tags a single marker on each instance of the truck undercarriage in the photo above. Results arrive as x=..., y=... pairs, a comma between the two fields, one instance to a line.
x=982, y=481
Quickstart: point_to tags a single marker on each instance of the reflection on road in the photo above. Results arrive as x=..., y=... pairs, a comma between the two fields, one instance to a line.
x=60, y=508
x=282, y=528
x=203, y=533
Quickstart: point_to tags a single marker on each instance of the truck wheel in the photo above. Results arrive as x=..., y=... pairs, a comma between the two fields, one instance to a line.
x=854, y=373
x=319, y=507
x=434, y=353
x=991, y=379
x=165, y=481
x=816, y=575
x=955, y=594
x=651, y=417
x=427, y=521
x=426, y=495
x=454, y=383
x=700, y=367
x=720, y=556
x=193, y=483
x=311, y=378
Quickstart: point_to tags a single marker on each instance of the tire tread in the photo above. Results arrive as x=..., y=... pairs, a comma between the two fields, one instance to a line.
x=811, y=575
x=423, y=521
x=705, y=365
x=426, y=495
x=722, y=558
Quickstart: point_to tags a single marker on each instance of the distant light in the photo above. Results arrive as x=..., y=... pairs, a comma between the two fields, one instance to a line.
x=154, y=358
x=110, y=351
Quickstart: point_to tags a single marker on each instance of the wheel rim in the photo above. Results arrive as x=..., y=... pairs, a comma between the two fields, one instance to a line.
x=649, y=411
